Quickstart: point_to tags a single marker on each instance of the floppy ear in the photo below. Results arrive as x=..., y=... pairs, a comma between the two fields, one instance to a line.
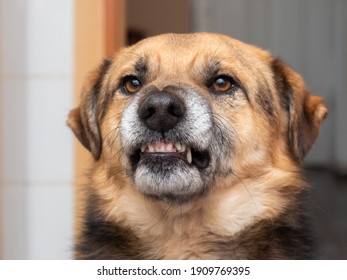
x=305, y=111
x=84, y=120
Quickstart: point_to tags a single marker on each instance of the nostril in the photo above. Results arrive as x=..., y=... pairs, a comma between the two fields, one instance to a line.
x=147, y=112
x=175, y=110
x=161, y=111
x=150, y=111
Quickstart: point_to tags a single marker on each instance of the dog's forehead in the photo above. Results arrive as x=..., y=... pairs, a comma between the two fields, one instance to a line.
x=193, y=50
x=195, y=41
x=183, y=41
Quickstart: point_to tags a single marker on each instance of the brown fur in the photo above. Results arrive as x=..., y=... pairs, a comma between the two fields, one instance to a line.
x=251, y=206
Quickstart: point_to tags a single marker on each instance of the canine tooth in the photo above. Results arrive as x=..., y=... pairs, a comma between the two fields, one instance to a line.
x=143, y=148
x=178, y=146
x=183, y=148
x=189, y=155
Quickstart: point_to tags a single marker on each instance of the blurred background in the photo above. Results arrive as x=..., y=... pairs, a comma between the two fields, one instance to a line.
x=47, y=48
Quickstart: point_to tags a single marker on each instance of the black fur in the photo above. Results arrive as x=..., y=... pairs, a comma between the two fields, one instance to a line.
x=101, y=239
x=266, y=103
x=284, y=88
x=286, y=237
x=98, y=85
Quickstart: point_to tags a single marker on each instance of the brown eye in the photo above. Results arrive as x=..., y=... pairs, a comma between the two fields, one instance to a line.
x=222, y=84
x=131, y=84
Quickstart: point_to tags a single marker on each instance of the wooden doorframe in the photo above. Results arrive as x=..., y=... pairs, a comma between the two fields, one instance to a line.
x=99, y=32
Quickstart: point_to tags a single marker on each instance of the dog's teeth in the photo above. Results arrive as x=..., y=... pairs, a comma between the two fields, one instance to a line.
x=162, y=147
x=151, y=148
x=189, y=155
x=169, y=147
x=178, y=146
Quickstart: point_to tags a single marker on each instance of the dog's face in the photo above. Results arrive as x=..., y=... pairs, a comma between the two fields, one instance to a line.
x=179, y=115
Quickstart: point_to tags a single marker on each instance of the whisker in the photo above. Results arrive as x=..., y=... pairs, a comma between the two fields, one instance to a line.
x=248, y=191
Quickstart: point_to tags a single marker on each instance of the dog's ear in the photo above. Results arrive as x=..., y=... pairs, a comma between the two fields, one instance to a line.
x=305, y=111
x=84, y=120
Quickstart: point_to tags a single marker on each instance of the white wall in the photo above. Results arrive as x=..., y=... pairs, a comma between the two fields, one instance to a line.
x=310, y=35
x=37, y=151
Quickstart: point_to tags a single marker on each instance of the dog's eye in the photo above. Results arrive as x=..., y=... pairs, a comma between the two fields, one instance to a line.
x=222, y=84
x=131, y=84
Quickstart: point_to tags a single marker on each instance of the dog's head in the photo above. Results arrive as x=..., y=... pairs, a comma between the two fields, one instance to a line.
x=175, y=112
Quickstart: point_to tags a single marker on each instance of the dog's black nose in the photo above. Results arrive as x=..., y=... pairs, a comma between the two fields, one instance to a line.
x=161, y=111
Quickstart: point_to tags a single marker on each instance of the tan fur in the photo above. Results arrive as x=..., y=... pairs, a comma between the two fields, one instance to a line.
x=180, y=230
x=265, y=164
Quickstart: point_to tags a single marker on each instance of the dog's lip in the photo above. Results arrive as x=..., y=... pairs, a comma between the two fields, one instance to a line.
x=171, y=149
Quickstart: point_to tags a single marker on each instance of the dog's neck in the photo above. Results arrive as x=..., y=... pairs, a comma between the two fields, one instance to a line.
x=224, y=212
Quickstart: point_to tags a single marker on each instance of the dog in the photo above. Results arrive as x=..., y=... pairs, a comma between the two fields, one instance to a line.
x=197, y=143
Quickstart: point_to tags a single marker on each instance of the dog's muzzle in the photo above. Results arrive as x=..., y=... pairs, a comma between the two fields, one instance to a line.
x=167, y=136
x=161, y=111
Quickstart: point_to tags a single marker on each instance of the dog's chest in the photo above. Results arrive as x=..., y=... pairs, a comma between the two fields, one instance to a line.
x=190, y=233
x=181, y=237
x=184, y=245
